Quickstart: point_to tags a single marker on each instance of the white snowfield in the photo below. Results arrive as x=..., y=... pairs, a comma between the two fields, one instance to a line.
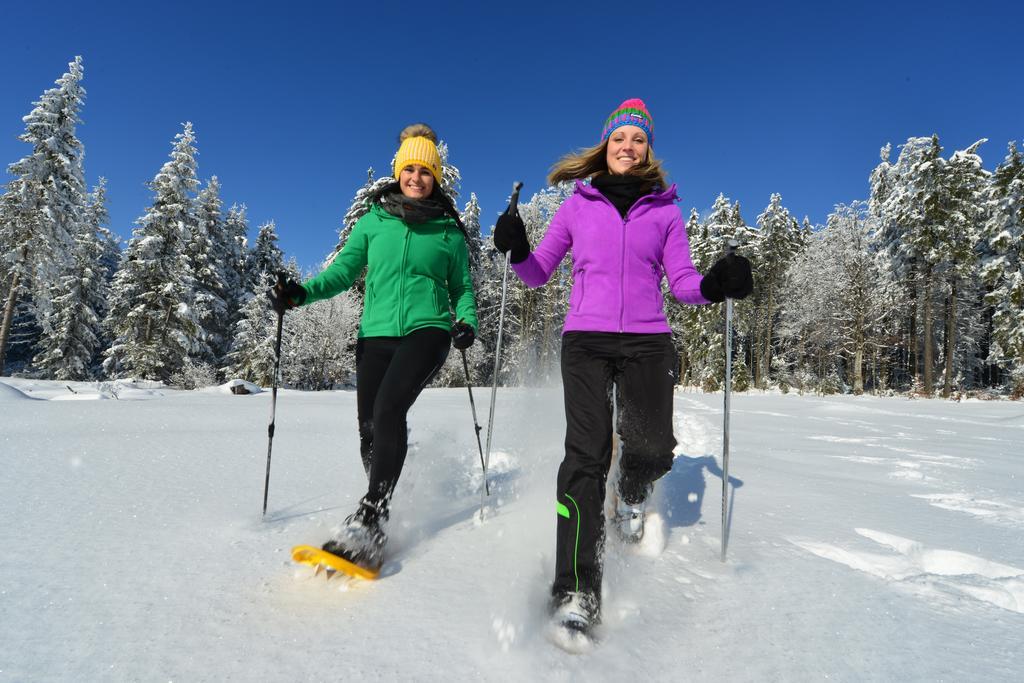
x=871, y=540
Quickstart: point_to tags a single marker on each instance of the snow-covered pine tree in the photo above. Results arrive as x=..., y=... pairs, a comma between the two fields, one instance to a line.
x=780, y=242
x=252, y=349
x=451, y=176
x=931, y=242
x=208, y=289
x=964, y=184
x=898, y=218
x=74, y=334
x=1003, y=270
x=265, y=259
x=151, y=317
x=209, y=249
x=45, y=202
x=235, y=252
x=110, y=256
x=702, y=328
x=251, y=356
x=471, y=220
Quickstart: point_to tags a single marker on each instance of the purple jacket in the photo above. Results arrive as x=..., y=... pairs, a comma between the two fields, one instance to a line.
x=617, y=264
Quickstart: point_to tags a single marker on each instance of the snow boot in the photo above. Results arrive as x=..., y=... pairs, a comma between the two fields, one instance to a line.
x=361, y=539
x=575, y=611
x=630, y=516
x=573, y=618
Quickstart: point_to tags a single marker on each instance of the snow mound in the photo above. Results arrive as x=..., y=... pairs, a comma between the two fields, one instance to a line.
x=9, y=393
x=238, y=386
x=933, y=574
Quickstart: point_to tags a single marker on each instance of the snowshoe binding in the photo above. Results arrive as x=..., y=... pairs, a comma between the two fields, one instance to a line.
x=361, y=539
x=630, y=516
x=356, y=550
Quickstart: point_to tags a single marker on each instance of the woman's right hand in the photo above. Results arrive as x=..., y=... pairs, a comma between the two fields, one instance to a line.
x=510, y=236
x=286, y=293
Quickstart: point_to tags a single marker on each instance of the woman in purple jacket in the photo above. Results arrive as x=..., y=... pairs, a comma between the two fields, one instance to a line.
x=626, y=233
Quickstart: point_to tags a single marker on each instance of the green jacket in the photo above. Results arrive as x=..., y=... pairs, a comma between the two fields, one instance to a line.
x=416, y=274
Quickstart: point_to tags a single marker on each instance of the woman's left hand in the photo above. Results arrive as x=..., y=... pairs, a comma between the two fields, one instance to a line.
x=730, y=277
x=462, y=335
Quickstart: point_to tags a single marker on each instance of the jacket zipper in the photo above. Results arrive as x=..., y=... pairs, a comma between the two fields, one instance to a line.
x=622, y=255
x=622, y=276
x=401, y=289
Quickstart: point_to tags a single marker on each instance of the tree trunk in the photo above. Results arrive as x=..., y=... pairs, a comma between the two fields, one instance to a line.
x=5, y=326
x=766, y=359
x=912, y=346
x=858, y=357
x=947, y=387
x=928, y=337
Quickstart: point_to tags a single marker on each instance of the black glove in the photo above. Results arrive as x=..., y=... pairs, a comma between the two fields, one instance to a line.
x=462, y=335
x=510, y=236
x=729, y=277
x=286, y=293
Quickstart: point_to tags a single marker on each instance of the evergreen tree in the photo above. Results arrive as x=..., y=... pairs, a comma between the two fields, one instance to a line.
x=474, y=241
x=235, y=251
x=45, y=202
x=780, y=242
x=252, y=351
x=1003, y=270
x=451, y=177
x=899, y=218
x=265, y=260
x=209, y=249
x=154, y=325
x=964, y=185
x=73, y=335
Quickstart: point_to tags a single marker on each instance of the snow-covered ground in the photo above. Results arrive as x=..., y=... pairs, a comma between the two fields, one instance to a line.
x=872, y=540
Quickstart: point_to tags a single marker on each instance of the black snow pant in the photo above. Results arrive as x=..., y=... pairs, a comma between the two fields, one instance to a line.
x=390, y=373
x=640, y=368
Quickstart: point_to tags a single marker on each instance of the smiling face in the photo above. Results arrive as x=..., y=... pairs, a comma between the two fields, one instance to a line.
x=415, y=181
x=627, y=147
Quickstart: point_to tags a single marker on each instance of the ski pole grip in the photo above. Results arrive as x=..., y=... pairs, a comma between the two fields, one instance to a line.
x=513, y=202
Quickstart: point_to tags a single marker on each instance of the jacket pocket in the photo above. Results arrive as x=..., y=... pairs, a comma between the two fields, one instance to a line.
x=578, y=291
x=659, y=298
x=440, y=298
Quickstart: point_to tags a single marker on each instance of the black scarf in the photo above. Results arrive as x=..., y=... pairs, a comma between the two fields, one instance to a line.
x=411, y=210
x=622, y=190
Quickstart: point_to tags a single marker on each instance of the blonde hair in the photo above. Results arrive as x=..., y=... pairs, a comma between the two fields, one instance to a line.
x=593, y=161
x=417, y=130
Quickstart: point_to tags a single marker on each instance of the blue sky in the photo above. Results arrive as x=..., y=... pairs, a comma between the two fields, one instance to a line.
x=291, y=102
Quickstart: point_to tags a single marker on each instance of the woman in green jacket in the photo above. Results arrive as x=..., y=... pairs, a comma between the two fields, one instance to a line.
x=413, y=247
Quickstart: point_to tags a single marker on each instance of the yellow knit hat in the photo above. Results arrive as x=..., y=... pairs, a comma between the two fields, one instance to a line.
x=419, y=150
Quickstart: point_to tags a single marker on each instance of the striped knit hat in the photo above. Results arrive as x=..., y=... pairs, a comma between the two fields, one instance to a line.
x=418, y=150
x=630, y=113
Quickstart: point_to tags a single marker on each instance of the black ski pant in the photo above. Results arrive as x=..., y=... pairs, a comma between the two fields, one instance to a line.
x=390, y=373
x=640, y=368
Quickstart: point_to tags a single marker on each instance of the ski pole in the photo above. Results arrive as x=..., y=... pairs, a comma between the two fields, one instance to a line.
x=512, y=210
x=476, y=425
x=730, y=250
x=273, y=396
